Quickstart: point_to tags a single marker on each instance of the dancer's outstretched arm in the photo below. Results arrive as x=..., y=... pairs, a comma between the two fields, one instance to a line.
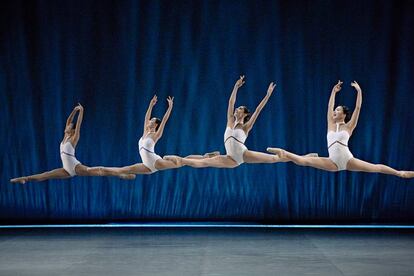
x=355, y=115
x=148, y=113
x=76, y=136
x=164, y=120
x=72, y=115
x=232, y=100
x=331, y=104
x=248, y=126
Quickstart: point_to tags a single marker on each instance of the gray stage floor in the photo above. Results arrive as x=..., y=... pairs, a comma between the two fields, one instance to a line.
x=205, y=252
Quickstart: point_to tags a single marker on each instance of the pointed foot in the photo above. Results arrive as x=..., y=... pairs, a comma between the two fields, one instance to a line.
x=406, y=174
x=20, y=180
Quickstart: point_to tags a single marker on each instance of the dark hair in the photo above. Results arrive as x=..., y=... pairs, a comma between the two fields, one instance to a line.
x=158, y=122
x=347, y=113
x=247, y=112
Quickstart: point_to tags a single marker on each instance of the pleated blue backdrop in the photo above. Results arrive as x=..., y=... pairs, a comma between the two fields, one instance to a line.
x=112, y=55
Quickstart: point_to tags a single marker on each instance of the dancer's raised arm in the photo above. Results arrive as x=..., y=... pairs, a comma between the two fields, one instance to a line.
x=148, y=114
x=250, y=123
x=331, y=104
x=72, y=115
x=355, y=115
x=232, y=100
x=76, y=136
x=167, y=114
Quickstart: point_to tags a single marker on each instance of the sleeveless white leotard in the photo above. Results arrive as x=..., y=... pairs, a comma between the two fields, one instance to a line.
x=234, y=139
x=146, y=151
x=69, y=161
x=338, y=149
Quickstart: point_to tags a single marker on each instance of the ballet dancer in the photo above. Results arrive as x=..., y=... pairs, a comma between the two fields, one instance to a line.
x=70, y=165
x=151, y=162
x=340, y=128
x=239, y=124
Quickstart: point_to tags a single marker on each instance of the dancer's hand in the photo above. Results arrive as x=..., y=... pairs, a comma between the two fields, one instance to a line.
x=270, y=89
x=170, y=101
x=240, y=82
x=337, y=87
x=356, y=86
x=154, y=100
x=78, y=107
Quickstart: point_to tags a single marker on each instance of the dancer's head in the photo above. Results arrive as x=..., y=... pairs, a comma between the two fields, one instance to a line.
x=242, y=114
x=154, y=124
x=342, y=113
x=70, y=129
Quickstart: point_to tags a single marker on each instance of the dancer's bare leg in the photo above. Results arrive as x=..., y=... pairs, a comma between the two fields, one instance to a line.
x=322, y=163
x=207, y=155
x=362, y=166
x=165, y=164
x=122, y=172
x=83, y=170
x=220, y=161
x=250, y=156
x=53, y=174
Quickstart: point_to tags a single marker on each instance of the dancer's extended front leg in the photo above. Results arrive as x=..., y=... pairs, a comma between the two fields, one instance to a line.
x=53, y=174
x=322, y=163
x=122, y=172
x=166, y=163
x=220, y=161
x=362, y=166
x=206, y=155
x=250, y=156
x=83, y=170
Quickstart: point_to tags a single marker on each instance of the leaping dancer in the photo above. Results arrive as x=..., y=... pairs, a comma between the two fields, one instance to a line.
x=151, y=162
x=340, y=128
x=70, y=165
x=239, y=124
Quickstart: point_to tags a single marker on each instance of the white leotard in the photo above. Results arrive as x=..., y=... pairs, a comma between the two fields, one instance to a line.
x=338, y=147
x=69, y=161
x=146, y=151
x=234, y=139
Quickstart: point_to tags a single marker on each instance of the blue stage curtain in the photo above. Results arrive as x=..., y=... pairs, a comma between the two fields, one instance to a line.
x=112, y=56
